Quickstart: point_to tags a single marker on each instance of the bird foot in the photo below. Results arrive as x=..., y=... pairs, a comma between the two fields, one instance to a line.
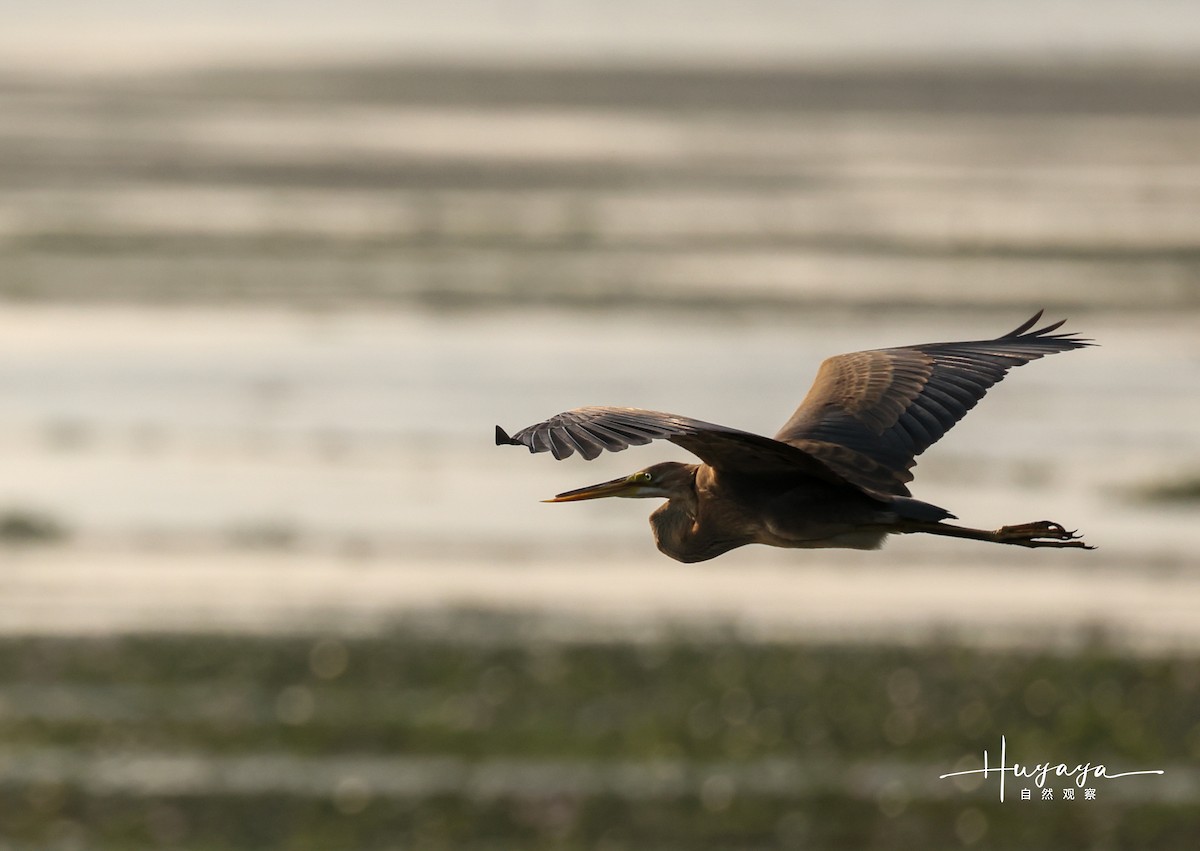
x=1043, y=533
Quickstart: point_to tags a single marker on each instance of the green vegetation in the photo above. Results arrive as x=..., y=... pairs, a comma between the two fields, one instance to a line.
x=717, y=716
x=1179, y=491
x=19, y=526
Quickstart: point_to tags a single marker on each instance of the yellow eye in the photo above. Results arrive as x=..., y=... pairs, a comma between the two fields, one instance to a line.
x=645, y=477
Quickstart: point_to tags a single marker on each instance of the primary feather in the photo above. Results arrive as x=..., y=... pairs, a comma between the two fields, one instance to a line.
x=869, y=414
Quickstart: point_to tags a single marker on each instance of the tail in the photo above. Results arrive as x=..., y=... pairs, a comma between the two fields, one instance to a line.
x=913, y=509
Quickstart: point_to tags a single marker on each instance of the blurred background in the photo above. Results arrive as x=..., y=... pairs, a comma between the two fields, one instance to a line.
x=270, y=274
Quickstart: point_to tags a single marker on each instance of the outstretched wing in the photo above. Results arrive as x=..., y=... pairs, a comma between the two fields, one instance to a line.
x=869, y=414
x=590, y=431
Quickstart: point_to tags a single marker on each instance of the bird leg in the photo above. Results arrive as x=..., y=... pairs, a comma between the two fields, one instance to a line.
x=1042, y=533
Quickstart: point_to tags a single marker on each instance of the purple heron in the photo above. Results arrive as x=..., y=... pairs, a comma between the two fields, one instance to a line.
x=835, y=475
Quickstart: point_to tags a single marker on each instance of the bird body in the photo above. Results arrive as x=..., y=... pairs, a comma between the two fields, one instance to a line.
x=789, y=511
x=836, y=474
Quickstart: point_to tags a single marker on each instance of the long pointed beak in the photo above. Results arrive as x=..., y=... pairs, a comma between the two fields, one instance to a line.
x=617, y=487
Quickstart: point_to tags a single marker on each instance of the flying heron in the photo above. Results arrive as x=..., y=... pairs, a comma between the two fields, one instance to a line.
x=835, y=475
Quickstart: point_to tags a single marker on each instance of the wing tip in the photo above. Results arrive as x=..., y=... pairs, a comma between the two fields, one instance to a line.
x=1026, y=325
x=503, y=438
x=1067, y=338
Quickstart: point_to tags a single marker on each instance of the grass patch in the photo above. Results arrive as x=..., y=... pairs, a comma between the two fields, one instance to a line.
x=24, y=526
x=693, y=703
x=732, y=701
x=1178, y=491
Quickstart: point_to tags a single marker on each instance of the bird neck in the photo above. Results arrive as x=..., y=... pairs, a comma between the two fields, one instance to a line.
x=674, y=525
x=677, y=532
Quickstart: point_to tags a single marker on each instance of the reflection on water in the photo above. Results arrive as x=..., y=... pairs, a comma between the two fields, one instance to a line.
x=395, y=258
x=333, y=438
x=351, y=422
x=736, y=189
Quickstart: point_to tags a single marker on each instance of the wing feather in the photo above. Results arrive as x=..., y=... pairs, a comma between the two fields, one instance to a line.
x=866, y=418
x=886, y=406
x=591, y=430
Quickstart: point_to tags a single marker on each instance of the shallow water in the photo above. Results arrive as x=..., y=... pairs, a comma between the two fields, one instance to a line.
x=393, y=259
x=352, y=451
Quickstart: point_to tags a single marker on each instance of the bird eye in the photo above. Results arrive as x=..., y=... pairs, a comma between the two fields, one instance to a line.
x=645, y=477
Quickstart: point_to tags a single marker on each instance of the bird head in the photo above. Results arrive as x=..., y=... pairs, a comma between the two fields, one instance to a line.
x=665, y=480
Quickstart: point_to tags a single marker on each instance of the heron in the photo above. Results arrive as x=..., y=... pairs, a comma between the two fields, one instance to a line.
x=836, y=474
